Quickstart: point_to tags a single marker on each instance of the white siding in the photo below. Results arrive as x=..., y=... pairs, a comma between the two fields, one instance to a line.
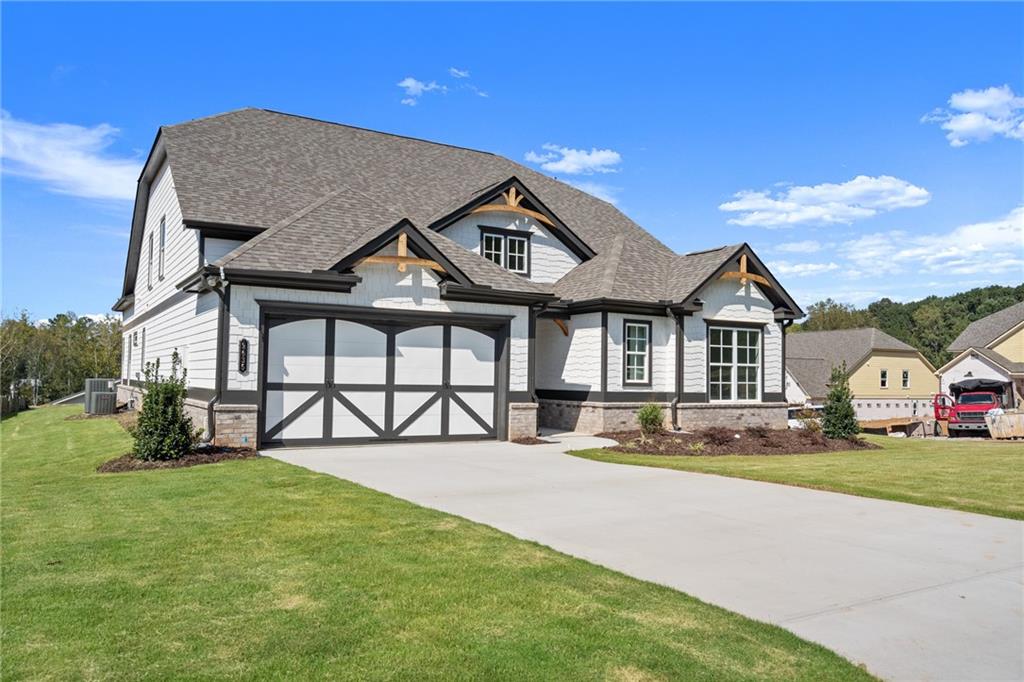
x=550, y=259
x=188, y=326
x=181, y=255
x=214, y=249
x=794, y=394
x=729, y=301
x=663, y=347
x=382, y=287
x=573, y=362
x=977, y=366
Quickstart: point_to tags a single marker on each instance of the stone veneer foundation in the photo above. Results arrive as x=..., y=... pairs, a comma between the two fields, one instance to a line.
x=235, y=424
x=597, y=417
x=522, y=420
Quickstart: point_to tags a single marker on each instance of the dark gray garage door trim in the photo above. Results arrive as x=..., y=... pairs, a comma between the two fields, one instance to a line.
x=392, y=321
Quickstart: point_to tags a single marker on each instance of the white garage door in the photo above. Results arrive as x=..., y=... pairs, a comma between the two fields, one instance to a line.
x=332, y=380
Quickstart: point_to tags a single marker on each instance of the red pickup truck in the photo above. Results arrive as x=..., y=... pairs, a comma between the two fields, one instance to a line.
x=965, y=409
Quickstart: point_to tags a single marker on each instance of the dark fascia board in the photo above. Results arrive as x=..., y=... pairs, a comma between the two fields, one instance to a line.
x=560, y=230
x=614, y=305
x=775, y=293
x=223, y=230
x=155, y=160
x=123, y=303
x=316, y=281
x=452, y=291
x=418, y=244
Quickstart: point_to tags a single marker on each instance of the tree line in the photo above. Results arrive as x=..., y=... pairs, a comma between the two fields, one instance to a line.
x=929, y=325
x=46, y=360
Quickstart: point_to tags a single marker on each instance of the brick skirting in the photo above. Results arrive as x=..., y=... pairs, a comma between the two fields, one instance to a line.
x=522, y=420
x=597, y=417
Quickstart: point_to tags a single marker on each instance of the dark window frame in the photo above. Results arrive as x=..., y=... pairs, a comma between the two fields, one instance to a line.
x=163, y=247
x=649, y=369
x=504, y=234
x=149, y=263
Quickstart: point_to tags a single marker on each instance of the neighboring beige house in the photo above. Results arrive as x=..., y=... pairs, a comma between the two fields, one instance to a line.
x=989, y=348
x=888, y=378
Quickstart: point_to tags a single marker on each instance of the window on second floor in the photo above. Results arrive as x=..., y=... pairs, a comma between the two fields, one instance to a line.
x=905, y=381
x=883, y=378
x=149, y=264
x=507, y=249
x=163, y=244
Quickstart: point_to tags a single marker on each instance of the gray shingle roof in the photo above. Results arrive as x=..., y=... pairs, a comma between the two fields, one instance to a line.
x=1000, y=359
x=841, y=345
x=812, y=374
x=982, y=332
x=323, y=189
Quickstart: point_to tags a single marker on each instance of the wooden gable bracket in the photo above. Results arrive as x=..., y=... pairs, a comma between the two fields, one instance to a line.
x=512, y=199
x=561, y=325
x=743, y=275
x=403, y=259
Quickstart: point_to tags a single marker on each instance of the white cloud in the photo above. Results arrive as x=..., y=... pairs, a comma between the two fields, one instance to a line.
x=801, y=269
x=458, y=73
x=806, y=246
x=979, y=115
x=990, y=248
x=829, y=203
x=414, y=89
x=68, y=158
x=558, y=159
x=596, y=189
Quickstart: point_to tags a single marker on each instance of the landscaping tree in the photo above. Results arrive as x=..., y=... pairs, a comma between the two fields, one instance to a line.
x=163, y=430
x=838, y=417
x=649, y=418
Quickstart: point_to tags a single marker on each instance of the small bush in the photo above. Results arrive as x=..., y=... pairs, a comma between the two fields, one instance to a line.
x=696, y=448
x=649, y=417
x=718, y=435
x=839, y=420
x=163, y=430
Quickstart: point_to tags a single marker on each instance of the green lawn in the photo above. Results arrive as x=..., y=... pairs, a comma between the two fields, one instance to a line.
x=978, y=476
x=257, y=569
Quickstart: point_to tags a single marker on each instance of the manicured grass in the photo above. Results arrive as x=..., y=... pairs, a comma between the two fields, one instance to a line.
x=971, y=475
x=256, y=569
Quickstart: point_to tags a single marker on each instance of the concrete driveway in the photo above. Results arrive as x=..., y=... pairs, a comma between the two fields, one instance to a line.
x=911, y=592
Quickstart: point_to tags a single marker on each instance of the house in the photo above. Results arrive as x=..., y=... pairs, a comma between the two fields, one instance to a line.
x=329, y=284
x=989, y=348
x=888, y=378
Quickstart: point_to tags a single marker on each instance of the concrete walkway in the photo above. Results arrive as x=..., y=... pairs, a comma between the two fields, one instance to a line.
x=913, y=593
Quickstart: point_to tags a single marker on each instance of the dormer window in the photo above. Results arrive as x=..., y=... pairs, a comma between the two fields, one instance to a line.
x=508, y=248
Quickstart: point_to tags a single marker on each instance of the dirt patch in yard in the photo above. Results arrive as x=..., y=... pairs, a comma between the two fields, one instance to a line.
x=210, y=455
x=530, y=440
x=721, y=441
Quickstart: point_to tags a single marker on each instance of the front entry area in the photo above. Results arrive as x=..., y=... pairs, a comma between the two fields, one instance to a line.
x=340, y=379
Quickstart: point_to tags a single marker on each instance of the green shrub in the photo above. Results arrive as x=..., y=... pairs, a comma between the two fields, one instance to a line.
x=163, y=430
x=649, y=417
x=696, y=447
x=839, y=420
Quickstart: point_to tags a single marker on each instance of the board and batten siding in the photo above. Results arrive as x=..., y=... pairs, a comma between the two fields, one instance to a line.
x=729, y=301
x=663, y=354
x=382, y=287
x=189, y=324
x=550, y=259
x=573, y=362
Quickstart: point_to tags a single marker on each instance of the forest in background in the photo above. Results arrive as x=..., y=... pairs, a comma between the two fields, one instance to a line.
x=47, y=360
x=929, y=325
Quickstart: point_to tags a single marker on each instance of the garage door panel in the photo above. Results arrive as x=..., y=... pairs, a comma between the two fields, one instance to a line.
x=419, y=355
x=358, y=415
x=296, y=352
x=462, y=423
x=360, y=353
x=472, y=357
x=424, y=411
x=302, y=413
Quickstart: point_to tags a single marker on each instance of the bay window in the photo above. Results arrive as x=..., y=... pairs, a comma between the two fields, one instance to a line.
x=734, y=364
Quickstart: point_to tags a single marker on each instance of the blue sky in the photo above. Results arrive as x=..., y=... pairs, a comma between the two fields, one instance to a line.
x=863, y=150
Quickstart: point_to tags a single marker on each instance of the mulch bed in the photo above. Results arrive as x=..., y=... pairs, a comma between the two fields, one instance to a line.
x=209, y=455
x=530, y=440
x=722, y=441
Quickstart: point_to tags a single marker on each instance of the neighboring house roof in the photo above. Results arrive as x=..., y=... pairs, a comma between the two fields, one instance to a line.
x=812, y=374
x=851, y=346
x=998, y=359
x=321, y=190
x=981, y=333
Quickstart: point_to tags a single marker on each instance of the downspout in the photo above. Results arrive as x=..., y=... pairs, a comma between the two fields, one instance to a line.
x=674, y=405
x=219, y=286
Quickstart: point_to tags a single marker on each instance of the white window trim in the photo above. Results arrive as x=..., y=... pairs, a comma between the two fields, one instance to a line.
x=500, y=250
x=735, y=365
x=525, y=255
x=905, y=378
x=163, y=246
x=149, y=263
x=648, y=328
x=883, y=378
